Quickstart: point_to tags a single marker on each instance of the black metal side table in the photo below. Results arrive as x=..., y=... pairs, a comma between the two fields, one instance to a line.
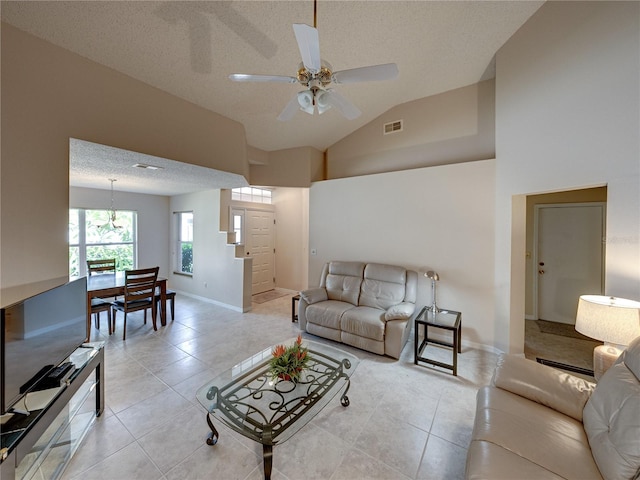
x=446, y=320
x=294, y=315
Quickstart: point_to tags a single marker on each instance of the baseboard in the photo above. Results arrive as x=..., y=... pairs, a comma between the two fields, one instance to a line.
x=214, y=302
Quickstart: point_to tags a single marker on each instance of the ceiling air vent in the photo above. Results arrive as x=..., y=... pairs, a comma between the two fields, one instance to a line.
x=392, y=127
x=147, y=167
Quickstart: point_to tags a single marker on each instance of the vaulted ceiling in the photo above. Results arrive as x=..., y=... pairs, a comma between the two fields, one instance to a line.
x=189, y=49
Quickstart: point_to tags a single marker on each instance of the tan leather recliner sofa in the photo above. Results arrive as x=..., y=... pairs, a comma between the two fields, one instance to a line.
x=366, y=305
x=536, y=422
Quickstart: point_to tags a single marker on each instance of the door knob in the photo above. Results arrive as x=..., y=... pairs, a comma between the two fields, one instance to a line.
x=541, y=272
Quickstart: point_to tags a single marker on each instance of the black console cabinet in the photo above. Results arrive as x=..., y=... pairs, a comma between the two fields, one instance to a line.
x=20, y=437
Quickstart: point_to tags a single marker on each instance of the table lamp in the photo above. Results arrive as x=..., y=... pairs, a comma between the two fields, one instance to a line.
x=434, y=278
x=614, y=321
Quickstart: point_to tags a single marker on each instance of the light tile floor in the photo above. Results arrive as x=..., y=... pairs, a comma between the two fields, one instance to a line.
x=404, y=421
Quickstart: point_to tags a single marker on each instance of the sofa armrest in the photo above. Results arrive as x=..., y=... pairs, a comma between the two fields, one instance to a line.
x=548, y=386
x=314, y=295
x=402, y=311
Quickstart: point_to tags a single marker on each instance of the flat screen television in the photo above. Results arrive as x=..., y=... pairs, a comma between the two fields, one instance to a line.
x=37, y=334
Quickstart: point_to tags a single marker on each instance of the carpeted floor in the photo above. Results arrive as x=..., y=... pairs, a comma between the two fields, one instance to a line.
x=269, y=295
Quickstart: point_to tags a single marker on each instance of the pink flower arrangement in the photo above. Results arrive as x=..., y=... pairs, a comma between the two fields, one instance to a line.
x=289, y=362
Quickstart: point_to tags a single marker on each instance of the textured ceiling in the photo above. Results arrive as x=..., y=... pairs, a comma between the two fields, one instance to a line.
x=92, y=165
x=189, y=48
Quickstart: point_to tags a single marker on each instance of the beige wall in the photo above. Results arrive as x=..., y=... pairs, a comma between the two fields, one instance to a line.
x=293, y=167
x=292, y=237
x=586, y=195
x=455, y=126
x=438, y=218
x=49, y=95
x=567, y=117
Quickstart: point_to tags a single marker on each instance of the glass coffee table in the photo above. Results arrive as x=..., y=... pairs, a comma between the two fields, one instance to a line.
x=249, y=401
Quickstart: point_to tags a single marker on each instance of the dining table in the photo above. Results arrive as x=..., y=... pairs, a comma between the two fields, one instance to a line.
x=112, y=285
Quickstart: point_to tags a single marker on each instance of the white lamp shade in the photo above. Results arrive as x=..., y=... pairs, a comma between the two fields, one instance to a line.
x=608, y=319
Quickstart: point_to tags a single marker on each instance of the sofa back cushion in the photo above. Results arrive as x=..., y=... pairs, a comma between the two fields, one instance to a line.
x=342, y=281
x=612, y=417
x=383, y=286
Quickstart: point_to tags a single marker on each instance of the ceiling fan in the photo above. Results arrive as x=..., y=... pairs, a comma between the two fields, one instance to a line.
x=316, y=75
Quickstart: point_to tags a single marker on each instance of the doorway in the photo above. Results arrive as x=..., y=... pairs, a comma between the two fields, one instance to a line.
x=260, y=245
x=569, y=256
x=558, y=340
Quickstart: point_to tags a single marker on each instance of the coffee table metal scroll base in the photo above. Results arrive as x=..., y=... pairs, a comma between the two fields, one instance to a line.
x=267, y=449
x=248, y=401
x=212, y=438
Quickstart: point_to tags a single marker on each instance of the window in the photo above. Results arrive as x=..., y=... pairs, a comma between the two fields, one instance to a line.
x=184, y=259
x=93, y=234
x=251, y=194
x=237, y=221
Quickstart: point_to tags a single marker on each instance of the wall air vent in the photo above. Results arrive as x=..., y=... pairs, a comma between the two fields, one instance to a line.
x=392, y=127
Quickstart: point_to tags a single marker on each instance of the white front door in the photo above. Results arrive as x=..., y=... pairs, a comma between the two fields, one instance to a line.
x=259, y=244
x=570, y=257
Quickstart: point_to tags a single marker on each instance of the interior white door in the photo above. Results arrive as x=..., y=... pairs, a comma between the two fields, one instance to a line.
x=260, y=242
x=570, y=256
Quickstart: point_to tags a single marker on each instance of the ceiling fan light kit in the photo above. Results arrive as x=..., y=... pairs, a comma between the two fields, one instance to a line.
x=316, y=75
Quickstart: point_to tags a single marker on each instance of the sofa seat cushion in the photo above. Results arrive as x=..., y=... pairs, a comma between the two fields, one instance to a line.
x=488, y=460
x=365, y=322
x=328, y=313
x=543, y=436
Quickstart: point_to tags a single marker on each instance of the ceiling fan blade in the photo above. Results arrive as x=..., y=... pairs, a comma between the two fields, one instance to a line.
x=387, y=71
x=309, y=45
x=290, y=110
x=349, y=110
x=243, y=77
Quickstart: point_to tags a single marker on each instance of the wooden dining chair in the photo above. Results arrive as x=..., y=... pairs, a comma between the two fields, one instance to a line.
x=171, y=297
x=139, y=294
x=107, y=265
x=99, y=305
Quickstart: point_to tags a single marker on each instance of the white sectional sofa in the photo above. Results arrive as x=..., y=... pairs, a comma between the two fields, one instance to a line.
x=535, y=422
x=366, y=305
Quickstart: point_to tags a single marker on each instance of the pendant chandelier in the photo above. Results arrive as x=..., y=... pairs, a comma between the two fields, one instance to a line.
x=112, y=211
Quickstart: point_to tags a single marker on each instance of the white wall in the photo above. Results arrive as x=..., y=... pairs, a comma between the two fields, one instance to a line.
x=439, y=218
x=217, y=275
x=567, y=116
x=153, y=220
